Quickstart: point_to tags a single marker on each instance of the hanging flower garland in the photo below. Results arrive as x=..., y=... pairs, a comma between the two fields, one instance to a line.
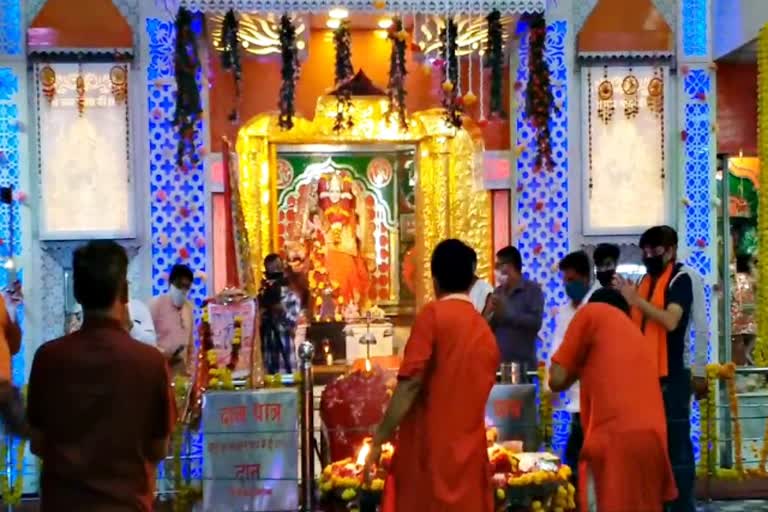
x=538, y=94
x=289, y=72
x=450, y=73
x=761, y=345
x=230, y=55
x=343, y=72
x=494, y=60
x=545, y=405
x=11, y=493
x=708, y=435
x=186, y=493
x=397, y=71
x=188, y=105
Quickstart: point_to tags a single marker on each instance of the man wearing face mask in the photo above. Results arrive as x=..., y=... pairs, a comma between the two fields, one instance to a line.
x=606, y=258
x=515, y=310
x=661, y=307
x=173, y=319
x=576, y=271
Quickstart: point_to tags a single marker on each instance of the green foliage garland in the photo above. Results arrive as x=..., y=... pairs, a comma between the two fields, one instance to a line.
x=343, y=72
x=397, y=72
x=448, y=49
x=289, y=72
x=230, y=55
x=188, y=105
x=494, y=60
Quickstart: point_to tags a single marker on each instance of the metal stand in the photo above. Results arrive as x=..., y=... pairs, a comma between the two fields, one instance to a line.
x=306, y=352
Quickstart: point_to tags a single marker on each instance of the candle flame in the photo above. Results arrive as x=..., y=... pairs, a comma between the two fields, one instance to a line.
x=367, y=365
x=363, y=454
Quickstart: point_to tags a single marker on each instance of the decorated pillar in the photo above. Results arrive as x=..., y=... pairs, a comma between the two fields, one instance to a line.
x=541, y=231
x=696, y=99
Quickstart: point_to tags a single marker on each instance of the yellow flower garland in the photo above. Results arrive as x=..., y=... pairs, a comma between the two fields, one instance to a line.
x=11, y=492
x=545, y=406
x=221, y=378
x=761, y=345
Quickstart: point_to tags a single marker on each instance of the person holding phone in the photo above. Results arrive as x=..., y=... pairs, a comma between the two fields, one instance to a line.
x=173, y=318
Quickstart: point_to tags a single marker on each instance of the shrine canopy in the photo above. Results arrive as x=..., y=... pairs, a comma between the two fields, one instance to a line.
x=437, y=7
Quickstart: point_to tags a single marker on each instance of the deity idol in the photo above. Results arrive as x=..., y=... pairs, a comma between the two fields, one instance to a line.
x=341, y=225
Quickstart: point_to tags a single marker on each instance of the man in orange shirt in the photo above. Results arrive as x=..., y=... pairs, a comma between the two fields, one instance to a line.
x=624, y=464
x=448, y=370
x=11, y=404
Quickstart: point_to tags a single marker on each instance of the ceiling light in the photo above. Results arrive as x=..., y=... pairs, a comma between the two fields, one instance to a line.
x=333, y=23
x=300, y=45
x=385, y=23
x=338, y=13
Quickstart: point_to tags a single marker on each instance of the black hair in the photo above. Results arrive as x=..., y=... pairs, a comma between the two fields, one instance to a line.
x=743, y=262
x=611, y=297
x=659, y=236
x=577, y=261
x=604, y=252
x=271, y=258
x=99, y=270
x=179, y=271
x=510, y=256
x=452, y=266
x=474, y=255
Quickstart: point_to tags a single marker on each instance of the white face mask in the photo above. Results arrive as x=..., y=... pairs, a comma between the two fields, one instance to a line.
x=178, y=296
x=501, y=278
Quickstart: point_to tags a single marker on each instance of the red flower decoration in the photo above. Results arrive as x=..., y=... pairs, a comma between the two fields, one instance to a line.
x=539, y=206
x=519, y=187
x=683, y=135
x=482, y=122
x=161, y=195
x=415, y=48
x=701, y=96
x=184, y=212
x=438, y=63
x=183, y=253
x=556, y=226
x=518, y=85
x=701, y=243
x=537, y=249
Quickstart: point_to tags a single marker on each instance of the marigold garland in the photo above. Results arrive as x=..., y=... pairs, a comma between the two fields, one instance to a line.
x=708, y=436
x=761, y=344
x=545, y=405
x=11, y=493
x=494, y=60
x=230, y=55
x=221, y=377
x=186, y=494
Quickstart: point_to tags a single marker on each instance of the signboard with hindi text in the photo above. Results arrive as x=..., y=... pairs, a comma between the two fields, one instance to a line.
x=511, y=408
x=250, y=445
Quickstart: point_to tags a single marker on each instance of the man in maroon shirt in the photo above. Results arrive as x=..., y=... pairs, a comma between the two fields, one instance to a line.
x=99, y=402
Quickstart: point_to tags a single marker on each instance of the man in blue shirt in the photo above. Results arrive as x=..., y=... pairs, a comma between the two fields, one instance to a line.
x=516, y=310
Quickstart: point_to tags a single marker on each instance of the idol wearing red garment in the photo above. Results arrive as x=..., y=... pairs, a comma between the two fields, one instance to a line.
x=624, y=464
x=449, y=367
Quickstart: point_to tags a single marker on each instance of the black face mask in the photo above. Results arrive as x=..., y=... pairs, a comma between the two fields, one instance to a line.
x=605, y=277
x=654, y=265
x=275, y=276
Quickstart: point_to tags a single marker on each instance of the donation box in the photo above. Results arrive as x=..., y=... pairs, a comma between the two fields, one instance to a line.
x=250, y=443
x=511, y=409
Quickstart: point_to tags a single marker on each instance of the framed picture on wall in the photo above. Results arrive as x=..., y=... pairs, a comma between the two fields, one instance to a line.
x=83, y=147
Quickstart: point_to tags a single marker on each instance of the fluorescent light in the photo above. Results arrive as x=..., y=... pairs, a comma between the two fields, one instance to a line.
x=385, y=23
x=333, y=23
x=338, y=13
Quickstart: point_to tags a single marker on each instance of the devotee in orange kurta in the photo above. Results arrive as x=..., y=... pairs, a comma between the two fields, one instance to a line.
x=448, y=370
x=624, y=464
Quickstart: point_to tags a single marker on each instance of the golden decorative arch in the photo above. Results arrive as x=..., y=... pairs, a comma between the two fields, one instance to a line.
x=450, y=199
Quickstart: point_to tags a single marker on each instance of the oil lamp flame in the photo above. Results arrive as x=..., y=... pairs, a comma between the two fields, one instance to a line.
x=363, y=454
x=367, y=365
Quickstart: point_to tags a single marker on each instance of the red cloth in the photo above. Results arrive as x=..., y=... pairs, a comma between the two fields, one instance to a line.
x=625, y=433
x=441, y=459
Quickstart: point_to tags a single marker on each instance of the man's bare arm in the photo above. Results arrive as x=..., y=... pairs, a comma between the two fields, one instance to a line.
x=559, y=378
x=406, y=393
x=669, y=318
